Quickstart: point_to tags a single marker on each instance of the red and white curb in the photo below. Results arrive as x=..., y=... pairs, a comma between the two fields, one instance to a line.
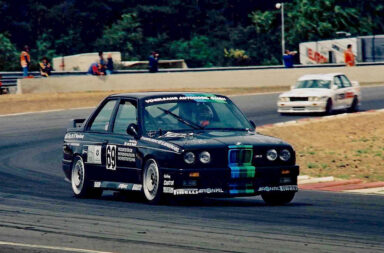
x=338, y=185
x=319, y=119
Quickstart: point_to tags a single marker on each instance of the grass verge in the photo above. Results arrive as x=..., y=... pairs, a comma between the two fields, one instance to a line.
x=348, y=147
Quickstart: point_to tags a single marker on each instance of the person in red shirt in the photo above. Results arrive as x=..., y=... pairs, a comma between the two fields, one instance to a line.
x=349, y=57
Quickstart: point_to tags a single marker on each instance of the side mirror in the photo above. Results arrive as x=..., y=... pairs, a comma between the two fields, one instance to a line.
x=253, y=124
x=133, y=131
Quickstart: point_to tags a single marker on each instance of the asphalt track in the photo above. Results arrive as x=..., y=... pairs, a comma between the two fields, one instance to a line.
x=39, y=214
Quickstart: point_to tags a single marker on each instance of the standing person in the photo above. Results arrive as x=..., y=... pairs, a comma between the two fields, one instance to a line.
x=153, y=62
x=25, y=60
x=109, y=64
x=349, y=57
x=102, y=63
x=45, y=67
x=288, y=58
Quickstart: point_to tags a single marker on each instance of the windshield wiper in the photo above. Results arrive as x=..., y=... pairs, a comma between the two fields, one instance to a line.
x=184, y=121
x=228, y=129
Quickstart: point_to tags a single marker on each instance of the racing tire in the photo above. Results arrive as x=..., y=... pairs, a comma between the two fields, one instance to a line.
x=152, y=182
x=355, y=105
x=81, y=186
x=329, y=107
x=278, y=198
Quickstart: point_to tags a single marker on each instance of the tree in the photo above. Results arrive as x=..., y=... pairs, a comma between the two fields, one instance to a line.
x=8, y=54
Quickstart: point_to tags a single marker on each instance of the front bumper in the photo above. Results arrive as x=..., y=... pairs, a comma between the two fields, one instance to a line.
x=301, y=107
x=219, y=182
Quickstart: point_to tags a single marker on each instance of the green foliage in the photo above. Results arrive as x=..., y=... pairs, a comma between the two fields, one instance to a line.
x=8, y=54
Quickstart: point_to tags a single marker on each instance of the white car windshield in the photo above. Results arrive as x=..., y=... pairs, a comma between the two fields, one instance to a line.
x=313, y=84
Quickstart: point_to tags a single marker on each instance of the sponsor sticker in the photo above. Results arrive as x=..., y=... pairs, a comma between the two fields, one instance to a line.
x=197, y=191
x=167, y=189
x=195, y=97
x=169, y=182
x=94, y=154
x=131, y=143
x=162, y=143
x=97, y=184
x=74, y=136
x=281, y=188
x=126, y=154
x=137, y=187
x=167, y=176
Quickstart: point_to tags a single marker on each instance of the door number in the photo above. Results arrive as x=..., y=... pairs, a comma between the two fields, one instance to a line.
x=111, y=157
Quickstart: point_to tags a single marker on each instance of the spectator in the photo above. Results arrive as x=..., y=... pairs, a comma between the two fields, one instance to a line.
x=288, y=58
x=102, y=63
x=153, y=62
x=349, y=57
x=45, y=67
x=94, y=69
x=25, y=60
x=109, y=64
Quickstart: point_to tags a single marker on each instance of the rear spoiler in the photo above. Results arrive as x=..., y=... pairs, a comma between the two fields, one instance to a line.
x=77, y=123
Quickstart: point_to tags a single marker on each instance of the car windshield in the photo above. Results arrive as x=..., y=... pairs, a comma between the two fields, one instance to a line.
x=313, y=84
x=192, y=112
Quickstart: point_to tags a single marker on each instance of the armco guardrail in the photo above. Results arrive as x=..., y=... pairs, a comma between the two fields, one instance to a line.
x=9, y=79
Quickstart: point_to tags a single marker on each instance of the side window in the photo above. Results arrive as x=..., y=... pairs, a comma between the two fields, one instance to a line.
x=101, y=121
x=345, y=81
x=338, y=82
x=126, y=114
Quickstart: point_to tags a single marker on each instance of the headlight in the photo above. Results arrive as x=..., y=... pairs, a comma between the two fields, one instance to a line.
x=272, y=154
x=285, y=155
x=312, y=99
x=205, y=157
x=284, y=99
x=189, y=158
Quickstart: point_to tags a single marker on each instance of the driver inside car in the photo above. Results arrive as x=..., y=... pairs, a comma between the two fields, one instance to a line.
x=203, y=115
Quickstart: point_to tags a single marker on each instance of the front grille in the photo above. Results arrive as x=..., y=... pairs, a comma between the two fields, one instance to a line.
x=240, y=156
x=298, y=99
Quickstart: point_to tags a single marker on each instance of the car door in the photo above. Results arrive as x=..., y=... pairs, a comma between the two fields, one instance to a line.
x=121, y=148
x=339, y=93
x=97, y=130
x=348, y=91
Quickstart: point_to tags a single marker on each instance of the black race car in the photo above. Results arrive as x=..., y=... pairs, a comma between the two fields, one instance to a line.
x=163, y=143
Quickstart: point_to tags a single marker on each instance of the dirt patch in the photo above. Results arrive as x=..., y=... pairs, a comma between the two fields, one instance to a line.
x=13, y=103
x=348, y=147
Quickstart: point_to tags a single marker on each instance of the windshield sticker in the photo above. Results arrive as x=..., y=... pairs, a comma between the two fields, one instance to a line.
x=162, y=143
x=195, y=97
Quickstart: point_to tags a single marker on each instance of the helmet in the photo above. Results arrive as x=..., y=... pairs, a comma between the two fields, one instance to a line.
x=204, y=114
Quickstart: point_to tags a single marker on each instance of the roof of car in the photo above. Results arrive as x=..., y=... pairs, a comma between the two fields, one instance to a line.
x=141, y=95
x=328, y=76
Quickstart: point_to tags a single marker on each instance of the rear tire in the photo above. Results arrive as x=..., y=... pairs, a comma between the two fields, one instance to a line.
x=152, y=182
x=81, y=186
x=278, y=198
x=354, y=106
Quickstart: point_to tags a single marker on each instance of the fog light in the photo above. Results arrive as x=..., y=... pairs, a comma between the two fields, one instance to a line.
x=194, y=174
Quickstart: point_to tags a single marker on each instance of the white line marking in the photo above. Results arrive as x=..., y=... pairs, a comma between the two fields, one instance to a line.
x=47, y=111
x=51, y=247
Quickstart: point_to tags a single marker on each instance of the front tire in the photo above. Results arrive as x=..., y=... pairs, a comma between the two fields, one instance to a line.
x=278, y=198
x=152, y=182
x=329, y=107
x=81, y=186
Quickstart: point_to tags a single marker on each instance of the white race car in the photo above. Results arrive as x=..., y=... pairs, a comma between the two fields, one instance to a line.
x=321, y=93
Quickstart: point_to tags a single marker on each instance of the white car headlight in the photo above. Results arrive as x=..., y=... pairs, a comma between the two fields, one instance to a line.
x=284, y=99
x=285, y=155
x=272, y=155
x=189, y=158
x=205, y=157
x=312, y=99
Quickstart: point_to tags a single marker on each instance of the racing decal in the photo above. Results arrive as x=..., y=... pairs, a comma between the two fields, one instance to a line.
x=117, y=185
x=168, y=182
x=162, y=143
x=111, y=157
x=241, y=188
x=189, y=96
x=168, y=190
x=167, y=176
x=126, y=154
x=240, y=161
x=94, y=154
x=70, y=136
x=197, y=191
x=131, y=143
x=281, y=188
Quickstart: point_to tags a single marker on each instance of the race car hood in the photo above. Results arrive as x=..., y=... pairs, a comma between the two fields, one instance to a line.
x=218, y=139
x=307, y=93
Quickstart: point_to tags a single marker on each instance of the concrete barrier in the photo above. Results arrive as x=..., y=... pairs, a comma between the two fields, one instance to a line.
x=178, y=80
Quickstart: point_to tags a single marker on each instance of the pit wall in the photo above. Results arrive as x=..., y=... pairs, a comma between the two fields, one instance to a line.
x=182, y=80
